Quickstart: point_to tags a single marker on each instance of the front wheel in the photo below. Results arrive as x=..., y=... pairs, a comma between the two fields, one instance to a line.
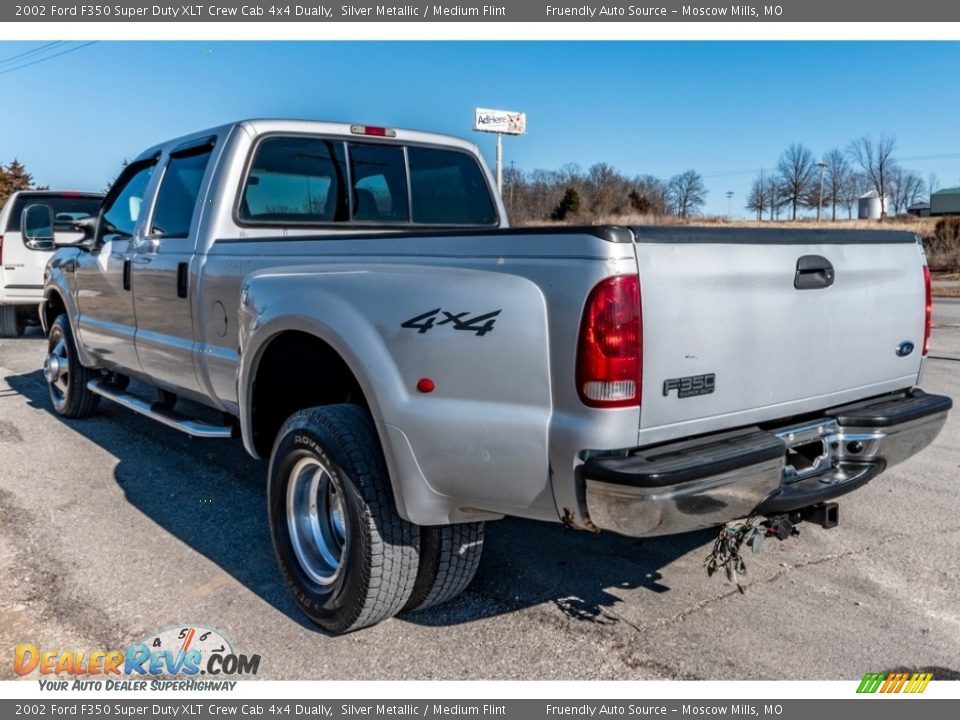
x=66, y=378
x=349, y=559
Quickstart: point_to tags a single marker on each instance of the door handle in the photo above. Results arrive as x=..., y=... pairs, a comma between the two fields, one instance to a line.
x=126, y=273
x=182, y=276
x=813, y=272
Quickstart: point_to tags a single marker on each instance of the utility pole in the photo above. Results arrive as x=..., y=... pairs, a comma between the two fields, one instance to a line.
x=729, y=204
x=500, y=164
x=822, y=165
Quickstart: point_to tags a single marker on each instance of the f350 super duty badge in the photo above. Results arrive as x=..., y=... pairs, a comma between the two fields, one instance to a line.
x=690, y=386
x=478, y=324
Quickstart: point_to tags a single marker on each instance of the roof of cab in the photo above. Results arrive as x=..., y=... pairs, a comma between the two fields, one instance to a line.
x=261, y=126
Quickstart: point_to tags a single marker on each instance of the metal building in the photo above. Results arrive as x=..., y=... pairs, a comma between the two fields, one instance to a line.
x=869, y=207
x=945, y=202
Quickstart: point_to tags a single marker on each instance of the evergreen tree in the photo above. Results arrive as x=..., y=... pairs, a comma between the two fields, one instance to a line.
x=569, y=205
x=13, y=177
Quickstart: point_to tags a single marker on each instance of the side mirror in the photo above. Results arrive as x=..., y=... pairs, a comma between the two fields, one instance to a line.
x=88, y=228
x=36, y=224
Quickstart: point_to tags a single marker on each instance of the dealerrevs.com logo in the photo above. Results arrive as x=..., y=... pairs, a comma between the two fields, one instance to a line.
x=185, y=652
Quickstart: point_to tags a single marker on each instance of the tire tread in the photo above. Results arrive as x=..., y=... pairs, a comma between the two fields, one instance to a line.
x=11, y=324
x=450, y=556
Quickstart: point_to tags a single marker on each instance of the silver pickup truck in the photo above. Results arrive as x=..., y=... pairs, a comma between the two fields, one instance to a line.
x=350, y=300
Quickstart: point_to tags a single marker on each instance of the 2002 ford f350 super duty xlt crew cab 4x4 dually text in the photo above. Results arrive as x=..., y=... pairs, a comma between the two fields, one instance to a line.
x=351, y=301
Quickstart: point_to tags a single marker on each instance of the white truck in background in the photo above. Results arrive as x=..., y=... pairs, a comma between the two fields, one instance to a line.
x=22, y=260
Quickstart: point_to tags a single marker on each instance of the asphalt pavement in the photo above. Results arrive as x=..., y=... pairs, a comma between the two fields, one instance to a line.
x=114, y=527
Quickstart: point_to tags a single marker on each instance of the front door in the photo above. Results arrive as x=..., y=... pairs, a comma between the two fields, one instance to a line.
x=164, y=268
x=105, y=323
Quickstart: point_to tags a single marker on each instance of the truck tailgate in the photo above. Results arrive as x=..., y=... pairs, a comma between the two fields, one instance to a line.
x=724, y=302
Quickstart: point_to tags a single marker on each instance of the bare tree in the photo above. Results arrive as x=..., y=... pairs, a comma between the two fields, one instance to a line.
x=513, y=183
x=837, y=175
x=607, y=189
x=775, y=197
x=906, y=186
x=877, y=162
x=686, y=193
x=648, y=195
x=850, y=190
x=797, y=172
x=758, y=199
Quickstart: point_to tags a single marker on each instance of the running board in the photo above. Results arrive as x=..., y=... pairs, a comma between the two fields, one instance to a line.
x=196, y=428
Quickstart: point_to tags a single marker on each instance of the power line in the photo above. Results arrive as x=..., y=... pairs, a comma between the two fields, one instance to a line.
x=48, y=57
x=34, y=51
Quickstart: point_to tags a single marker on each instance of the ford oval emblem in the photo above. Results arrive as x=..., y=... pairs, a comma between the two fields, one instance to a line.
x=904, y=349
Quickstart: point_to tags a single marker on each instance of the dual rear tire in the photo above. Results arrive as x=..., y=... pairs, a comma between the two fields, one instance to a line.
x=347, y=556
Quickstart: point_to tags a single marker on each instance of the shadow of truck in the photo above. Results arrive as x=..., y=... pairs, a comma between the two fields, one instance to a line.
x=210, y=495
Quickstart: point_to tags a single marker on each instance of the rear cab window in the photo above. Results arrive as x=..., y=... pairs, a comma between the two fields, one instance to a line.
x=314, y=181
x=179, y=191
x=295, y=180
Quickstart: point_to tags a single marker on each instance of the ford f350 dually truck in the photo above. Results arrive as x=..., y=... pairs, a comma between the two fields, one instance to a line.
x=351, y=301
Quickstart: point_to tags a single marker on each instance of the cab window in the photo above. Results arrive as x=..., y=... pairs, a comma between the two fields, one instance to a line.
x=379, y=176
x=179, y=190
x=122, y=210
x=448, y=188
x=295, y=180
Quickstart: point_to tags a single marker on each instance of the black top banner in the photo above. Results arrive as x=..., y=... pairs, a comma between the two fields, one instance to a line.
x=514, y=11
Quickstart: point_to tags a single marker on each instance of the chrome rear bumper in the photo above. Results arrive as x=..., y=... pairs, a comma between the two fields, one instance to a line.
x=709, y=481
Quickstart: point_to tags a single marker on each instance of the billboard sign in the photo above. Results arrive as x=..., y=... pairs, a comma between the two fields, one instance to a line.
x=500, y=121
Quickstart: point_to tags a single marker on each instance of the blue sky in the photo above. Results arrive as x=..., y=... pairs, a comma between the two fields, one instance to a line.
x=721, y=108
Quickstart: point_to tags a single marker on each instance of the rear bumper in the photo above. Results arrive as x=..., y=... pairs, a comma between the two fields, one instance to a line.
x=712, y=480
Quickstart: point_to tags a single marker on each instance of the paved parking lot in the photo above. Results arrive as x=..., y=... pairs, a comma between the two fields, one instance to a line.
x=113, y=527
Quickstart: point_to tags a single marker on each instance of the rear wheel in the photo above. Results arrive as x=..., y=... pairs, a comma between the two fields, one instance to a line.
x=66, y=378
x=449, y=557
x=11, y=322
x=349, y=559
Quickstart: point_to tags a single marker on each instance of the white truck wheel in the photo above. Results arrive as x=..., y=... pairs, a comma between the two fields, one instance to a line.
x=11, y=324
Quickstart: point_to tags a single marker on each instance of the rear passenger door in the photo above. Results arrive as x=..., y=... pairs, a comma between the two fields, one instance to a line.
x=164, y=269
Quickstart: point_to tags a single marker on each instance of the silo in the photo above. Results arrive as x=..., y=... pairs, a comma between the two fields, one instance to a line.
x=869, y=207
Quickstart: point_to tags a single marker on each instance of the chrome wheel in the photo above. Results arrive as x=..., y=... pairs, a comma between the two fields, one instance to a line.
x=316, y=520
x=56, y=369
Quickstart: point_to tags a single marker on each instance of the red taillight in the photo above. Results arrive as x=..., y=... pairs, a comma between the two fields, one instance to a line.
x=610, y=351
x=372, y=130
x=1, y=249
x=928, y=315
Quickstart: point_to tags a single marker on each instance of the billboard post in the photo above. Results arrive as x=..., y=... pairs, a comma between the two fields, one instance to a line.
x=501, y=122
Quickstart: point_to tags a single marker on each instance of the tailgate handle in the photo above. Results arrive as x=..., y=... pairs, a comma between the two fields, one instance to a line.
x=813, y=271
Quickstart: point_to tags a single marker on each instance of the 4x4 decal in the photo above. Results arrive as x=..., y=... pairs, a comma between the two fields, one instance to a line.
x=479, y=324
